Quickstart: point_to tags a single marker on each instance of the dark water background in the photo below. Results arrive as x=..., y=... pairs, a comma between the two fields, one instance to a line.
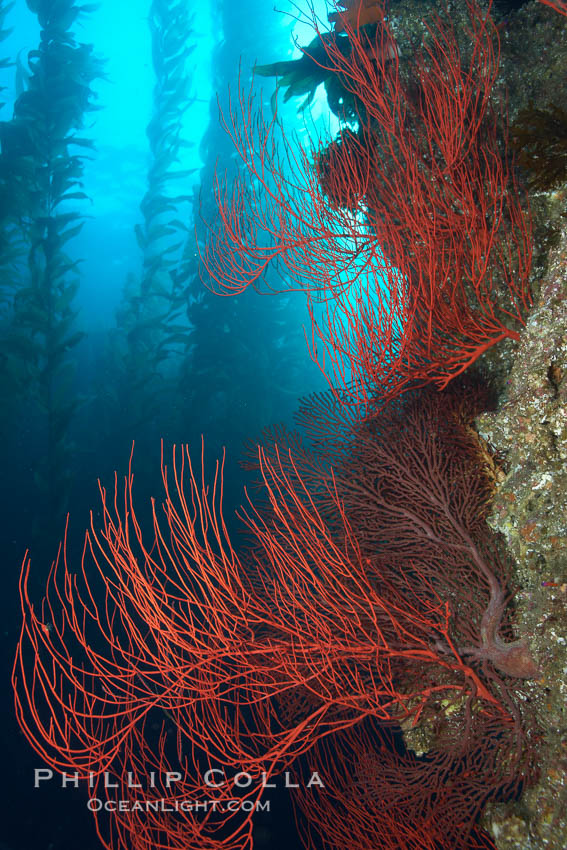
x=244, y=368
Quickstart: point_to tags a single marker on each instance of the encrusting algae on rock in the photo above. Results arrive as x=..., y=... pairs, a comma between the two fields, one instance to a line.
x=530, y=511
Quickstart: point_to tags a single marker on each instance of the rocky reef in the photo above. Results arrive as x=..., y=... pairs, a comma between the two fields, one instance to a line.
x=528, y=432
x=528, y=435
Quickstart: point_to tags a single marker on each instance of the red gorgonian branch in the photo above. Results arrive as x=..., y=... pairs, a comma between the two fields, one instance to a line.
x=184, y=625
x=378, y=793
x=409, y=227
x=558, y=5
x=372, y=592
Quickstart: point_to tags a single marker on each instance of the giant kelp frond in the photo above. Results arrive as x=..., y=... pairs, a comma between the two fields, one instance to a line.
x=302, y=76
x=540, y=138
x=5, y=62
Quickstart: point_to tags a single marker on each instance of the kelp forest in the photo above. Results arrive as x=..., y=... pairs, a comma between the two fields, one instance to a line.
x=284, y=424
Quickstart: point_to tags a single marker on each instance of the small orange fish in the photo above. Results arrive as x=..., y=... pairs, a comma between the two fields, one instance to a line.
x=358, y=13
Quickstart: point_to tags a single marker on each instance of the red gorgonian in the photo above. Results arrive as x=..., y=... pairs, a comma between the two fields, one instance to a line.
x=408, y=231
x=375, y=591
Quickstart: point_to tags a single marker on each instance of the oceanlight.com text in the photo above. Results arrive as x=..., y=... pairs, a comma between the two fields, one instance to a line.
x=95, y=804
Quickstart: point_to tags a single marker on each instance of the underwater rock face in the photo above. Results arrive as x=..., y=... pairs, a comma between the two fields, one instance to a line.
x=530, y=509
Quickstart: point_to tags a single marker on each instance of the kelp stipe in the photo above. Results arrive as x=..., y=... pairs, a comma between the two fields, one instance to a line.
x=5, y=62
x=40, y=150
x=6, y=227
x=150, y=320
